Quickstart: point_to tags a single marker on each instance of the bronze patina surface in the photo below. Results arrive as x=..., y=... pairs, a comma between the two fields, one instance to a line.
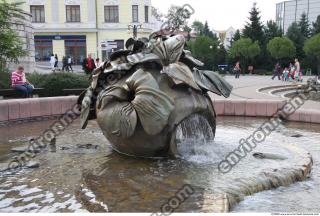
x=142, y=94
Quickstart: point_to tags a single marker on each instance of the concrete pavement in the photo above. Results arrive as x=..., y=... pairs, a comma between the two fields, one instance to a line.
x=247, y=88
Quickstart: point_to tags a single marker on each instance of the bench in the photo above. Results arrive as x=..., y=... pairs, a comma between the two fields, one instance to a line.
x=11, y=93
x=68, y=92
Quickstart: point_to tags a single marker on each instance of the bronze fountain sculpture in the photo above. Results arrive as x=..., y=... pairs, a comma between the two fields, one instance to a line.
x=142, y=94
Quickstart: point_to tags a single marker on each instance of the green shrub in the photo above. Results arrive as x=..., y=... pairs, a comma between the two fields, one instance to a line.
x=54, y=83
x=5, y=80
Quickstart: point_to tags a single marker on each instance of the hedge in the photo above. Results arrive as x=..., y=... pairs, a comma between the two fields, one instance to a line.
x=53, y=83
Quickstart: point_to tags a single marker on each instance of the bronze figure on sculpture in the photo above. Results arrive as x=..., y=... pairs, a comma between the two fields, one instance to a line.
x=141, y=95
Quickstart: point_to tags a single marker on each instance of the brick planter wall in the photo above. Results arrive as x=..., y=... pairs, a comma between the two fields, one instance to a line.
x=37, y=107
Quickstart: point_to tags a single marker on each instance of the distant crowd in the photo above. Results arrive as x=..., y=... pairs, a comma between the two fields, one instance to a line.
x=88, y=64
x=290, y=73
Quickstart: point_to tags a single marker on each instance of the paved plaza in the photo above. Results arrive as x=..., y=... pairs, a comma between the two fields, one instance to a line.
x=247, y=87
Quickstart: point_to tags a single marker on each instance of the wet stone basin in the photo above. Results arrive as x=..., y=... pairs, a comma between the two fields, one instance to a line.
x=83, y=174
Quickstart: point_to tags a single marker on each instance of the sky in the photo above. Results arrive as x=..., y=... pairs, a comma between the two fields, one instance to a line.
x=221, y=14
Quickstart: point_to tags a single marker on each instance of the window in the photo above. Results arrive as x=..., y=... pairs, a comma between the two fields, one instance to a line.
x=146, y=14
x=111, y=14
x=73, y=13
x=37, y=12
x=135, y=15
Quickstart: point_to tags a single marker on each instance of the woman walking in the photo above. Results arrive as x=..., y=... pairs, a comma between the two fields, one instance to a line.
x=52, y=62
x=56, y=61
x=237, y=70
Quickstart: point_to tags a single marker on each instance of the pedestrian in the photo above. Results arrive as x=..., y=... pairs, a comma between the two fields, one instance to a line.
x=64, y=64
x=291, y=72
x=298, y=74
x=285, y=74
x=98, y=63
x=237, y=70
x=52, y=62
x=69, y=65
x=277, y=71
x=20, y=83
x=56, y=61
x=88, y=65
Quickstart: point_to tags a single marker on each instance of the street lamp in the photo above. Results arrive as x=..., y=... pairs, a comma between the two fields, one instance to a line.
x=134, y=29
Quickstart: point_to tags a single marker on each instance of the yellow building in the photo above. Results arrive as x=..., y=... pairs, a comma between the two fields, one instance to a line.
x=80, y=27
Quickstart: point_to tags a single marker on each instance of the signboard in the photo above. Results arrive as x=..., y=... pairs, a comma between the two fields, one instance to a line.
x=109, y=45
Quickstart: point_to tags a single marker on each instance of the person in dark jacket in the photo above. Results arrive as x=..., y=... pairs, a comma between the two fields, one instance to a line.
x=56, y=62
x=277, y=71
x=88, y=65
x=64, y=64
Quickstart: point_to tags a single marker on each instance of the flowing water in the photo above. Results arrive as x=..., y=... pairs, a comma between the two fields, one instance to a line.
x=83, y=174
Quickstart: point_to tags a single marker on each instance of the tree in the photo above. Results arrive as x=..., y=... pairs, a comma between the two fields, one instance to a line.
x=157, y=14
x=271, y=30
x=205, y=49
x=221, y=54
x=304, y=25
x=11, y=46
x=177, y=17
x=236, y=36
x=316, y=26
x=312, y=47
x=281, y=48
x=254, y=28
x=198, y=27
x=207, y=32
x=244, y=50
x=295, y=35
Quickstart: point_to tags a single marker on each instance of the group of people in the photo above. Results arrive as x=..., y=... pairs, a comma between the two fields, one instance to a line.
x=66, y=63
x=88, y=64
x=291, y=73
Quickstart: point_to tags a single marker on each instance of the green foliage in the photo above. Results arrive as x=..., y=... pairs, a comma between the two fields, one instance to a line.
x=207, y=32
x=221, y=54
x=304, y=25
x=254, y=28
x=5, y=79
x=198, y=27
x=203, y=29
x=312, y=46
x=157, y=14
x=54, y=83
x=244, y=50
x=271, y=30
x=205, y=49
x=236, y=36
x=316, y=26
x=295, y=35
x=177, y=17
x=11, y=46
x=281, y=48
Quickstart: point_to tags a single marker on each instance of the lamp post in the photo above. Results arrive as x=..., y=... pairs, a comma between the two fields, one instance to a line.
x=134, y=29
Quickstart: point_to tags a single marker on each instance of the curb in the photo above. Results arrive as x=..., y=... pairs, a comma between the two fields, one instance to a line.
x=21, y=109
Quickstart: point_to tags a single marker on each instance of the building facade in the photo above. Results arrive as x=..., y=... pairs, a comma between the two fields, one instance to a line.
x=288, y=12
x=78, y=28
x=225, y=36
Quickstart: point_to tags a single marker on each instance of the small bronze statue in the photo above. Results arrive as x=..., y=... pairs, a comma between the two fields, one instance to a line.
x=142, y=94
